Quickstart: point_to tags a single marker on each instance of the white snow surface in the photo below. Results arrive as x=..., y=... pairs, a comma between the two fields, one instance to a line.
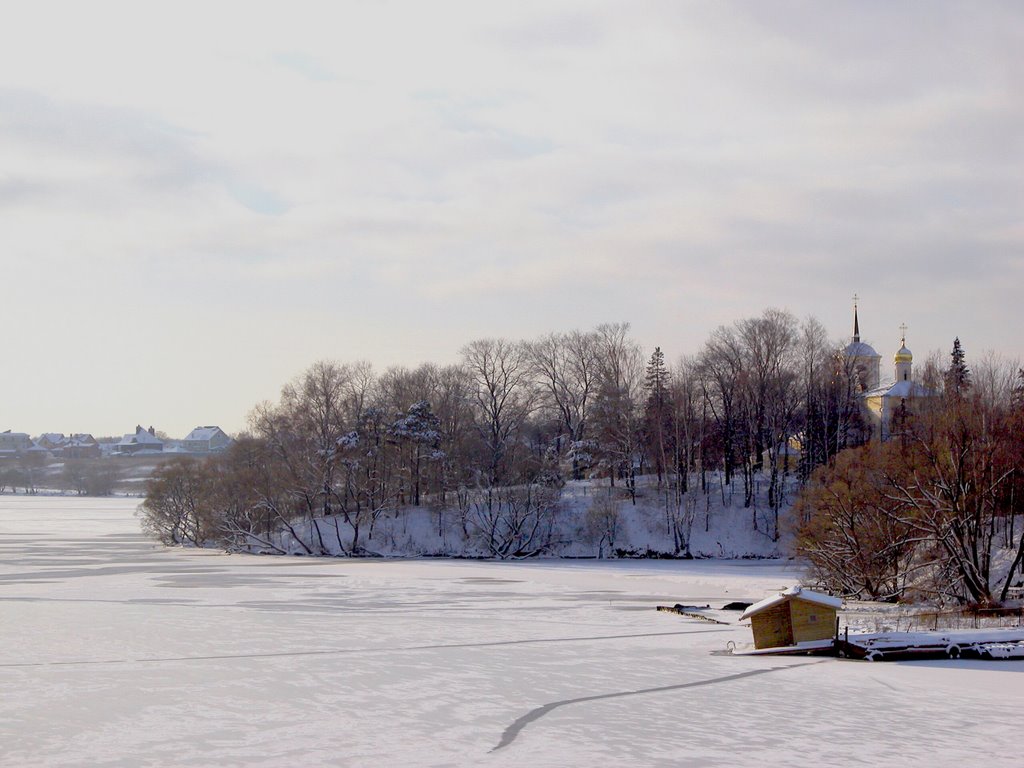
x=115, y=651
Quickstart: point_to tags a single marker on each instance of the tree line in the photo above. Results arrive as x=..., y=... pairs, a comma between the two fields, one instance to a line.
x=496, y=435
x=85, y=477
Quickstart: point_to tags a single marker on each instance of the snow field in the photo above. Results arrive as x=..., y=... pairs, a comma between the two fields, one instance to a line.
x=117, y=652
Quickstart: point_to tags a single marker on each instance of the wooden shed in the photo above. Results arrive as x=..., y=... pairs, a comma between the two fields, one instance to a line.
x=793, y=616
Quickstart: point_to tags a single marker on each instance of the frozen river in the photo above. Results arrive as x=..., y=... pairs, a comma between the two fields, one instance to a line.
x=117, y=652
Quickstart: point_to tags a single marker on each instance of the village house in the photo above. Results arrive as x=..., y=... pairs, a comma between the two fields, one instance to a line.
x=79, y=445
x=14, y=444
x=53, y=442
x=143, y=441
x=209, y=439
x=793, y=616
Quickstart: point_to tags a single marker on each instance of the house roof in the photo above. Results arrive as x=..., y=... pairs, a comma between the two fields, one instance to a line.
x=793, y=593
x=141, y=436
x=203, y=433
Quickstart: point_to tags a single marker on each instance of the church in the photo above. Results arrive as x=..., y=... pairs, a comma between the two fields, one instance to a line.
x=881, y=401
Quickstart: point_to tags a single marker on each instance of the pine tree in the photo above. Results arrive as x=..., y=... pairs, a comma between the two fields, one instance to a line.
x=958, y=375
x=656, y=378
x=657, y=414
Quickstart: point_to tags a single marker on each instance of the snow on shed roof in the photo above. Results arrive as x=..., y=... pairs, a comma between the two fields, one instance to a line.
x=796, y=592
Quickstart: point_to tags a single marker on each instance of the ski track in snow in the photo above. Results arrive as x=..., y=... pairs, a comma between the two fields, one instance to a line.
x=339, y=651
x=533, y=715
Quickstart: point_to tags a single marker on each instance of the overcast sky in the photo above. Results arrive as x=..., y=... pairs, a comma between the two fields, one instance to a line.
x=199, y=201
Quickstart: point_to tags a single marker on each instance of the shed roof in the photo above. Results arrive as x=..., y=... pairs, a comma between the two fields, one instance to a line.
x=795, y=592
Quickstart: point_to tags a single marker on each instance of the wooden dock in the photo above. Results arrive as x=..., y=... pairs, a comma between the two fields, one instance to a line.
x=987, y=644
x=990, y=644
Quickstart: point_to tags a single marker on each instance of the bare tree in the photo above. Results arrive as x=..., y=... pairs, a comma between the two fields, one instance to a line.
x=502, y=396
x=720, y=366
x=514, y=522
x=602, y=523
x=616, y=411
x=854, y=535
x=566, y=367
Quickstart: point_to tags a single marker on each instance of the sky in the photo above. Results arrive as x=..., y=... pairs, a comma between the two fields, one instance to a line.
x=199, y=200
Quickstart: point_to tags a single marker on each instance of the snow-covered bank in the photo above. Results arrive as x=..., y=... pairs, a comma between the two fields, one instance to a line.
x=578, y=523
x=116, y=651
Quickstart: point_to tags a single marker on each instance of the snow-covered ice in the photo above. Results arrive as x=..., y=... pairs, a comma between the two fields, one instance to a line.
x=117, y=652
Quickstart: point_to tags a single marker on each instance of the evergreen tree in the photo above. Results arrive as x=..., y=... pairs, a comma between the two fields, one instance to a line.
x=657, y=414
x=420, y=429
x=656, y=378
x=958, y=375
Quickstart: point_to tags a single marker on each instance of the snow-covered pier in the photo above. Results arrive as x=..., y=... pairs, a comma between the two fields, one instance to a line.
x=1004, y=643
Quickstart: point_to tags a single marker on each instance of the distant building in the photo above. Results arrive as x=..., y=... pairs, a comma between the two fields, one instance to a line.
x=862, y=359
x=52, y=441
x=143, y=441
x=78, y=446
x=881, y=402
x=14, y=444
x=81, y=446
x=206, y=440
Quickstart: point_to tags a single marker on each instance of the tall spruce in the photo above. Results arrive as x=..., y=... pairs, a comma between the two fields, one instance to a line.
x=657, y=413
x=958, y=375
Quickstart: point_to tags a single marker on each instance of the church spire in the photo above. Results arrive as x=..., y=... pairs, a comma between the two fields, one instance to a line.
x=856, y=322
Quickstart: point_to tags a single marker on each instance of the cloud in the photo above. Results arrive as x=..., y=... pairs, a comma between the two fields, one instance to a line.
x=305, y=65
x=474, y=170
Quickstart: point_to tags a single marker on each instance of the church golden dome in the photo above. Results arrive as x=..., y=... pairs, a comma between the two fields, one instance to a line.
x=903, y=355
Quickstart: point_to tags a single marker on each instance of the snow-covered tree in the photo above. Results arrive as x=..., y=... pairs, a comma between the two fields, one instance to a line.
x=419, y=429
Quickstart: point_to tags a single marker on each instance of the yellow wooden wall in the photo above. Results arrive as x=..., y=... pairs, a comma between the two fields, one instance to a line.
x=772, y=628
x=812, y=621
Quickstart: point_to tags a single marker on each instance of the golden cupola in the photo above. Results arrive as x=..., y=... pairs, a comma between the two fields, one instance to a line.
x=903, y=358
